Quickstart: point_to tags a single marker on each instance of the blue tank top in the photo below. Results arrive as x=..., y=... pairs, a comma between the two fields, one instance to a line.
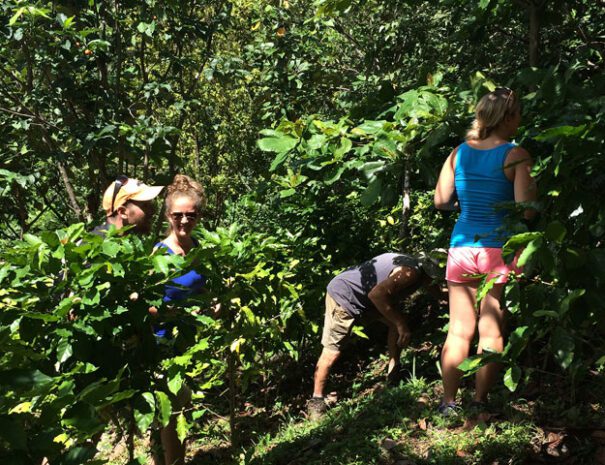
x=184, y=286
x=483, y=191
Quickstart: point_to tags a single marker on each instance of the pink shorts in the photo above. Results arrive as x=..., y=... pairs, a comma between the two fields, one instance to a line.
x=465, y=263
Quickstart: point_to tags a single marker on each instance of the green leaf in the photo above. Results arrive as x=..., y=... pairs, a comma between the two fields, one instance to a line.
x=372, y=193
x=484, y=287
x=175, y=383
x=569, y=299
x=144, y=411
x=345, y=146
x=512, y=377
x=316, y=141
x=385, y=148
x=512, y=297
x=24, y=379
x=278, y=160
x=561, y=131
x=16, y=16
x=68, y=22
x=562, y=346
x=111, y=248
x=358, y=331
x=573, y=258
x=182, y=427
x=164, y=407
x=547, y=313
x=528, y=251
x=370, y=127
x=286, y=193
x=334, y=176
x=78, y=455
x=471, y=363
x=555, y=231
x=517, y=341
x=64, y=351
x=161, y=264
x=371, y=168
x=517, y=241
x=283, y=143
x=11, y=430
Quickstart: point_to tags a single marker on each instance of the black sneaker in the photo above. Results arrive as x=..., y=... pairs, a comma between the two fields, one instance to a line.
x=316, y=408
x=449, y=409
x=395, y=376
x=477, y=407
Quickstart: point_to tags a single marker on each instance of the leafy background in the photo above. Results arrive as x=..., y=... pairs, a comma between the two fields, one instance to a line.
x=318, y=128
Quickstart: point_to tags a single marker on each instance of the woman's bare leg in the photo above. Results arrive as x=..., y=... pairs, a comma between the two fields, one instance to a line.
x=491, y=328
x=174, y=449
x=463, y=320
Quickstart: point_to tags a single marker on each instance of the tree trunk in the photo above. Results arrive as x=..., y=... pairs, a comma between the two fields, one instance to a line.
x=71, y=195
x=232, y=401
x=534, y=33
x=405, y=210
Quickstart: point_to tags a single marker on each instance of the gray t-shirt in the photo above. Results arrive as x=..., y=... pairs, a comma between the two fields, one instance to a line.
x=350, y=288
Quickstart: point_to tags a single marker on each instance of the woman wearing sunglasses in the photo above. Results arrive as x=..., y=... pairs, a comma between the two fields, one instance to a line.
x=479, y=177
x=184, y=202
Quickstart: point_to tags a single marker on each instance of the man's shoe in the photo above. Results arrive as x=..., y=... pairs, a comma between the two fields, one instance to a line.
x=316, y=408
x=395, y=376
x=477, y=407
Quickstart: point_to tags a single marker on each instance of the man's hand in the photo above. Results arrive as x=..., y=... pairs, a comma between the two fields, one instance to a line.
x=403, y=335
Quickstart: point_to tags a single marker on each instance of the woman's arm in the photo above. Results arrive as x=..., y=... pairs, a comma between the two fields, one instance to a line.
x=445, y=191
x=520, y=163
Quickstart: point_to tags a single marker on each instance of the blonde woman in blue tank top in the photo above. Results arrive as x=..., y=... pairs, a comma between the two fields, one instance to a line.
x=478, y=177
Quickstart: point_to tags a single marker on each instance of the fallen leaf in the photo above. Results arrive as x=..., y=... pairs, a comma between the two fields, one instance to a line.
x=422, y=424
x=599, y=436
x=389, y=444
x=599, y=456
x=461, y=453
x=554, y=439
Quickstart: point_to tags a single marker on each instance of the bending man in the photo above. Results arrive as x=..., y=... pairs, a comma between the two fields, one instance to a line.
x=378, y=286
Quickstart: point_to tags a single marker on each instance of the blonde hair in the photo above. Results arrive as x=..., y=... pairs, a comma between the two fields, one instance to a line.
x=491, y=110
x=184, y=186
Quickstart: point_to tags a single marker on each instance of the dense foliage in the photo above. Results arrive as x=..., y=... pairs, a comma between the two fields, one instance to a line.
x=318, y=128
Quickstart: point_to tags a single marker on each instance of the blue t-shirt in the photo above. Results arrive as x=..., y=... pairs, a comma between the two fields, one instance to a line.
x=483, y=191
x=185, y=286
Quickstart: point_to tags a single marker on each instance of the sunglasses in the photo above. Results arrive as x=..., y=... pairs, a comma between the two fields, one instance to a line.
x=119, y=182
x=507, y=90
x=178, y=216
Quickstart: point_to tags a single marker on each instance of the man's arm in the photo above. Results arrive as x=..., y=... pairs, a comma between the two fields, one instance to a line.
x=386, y=294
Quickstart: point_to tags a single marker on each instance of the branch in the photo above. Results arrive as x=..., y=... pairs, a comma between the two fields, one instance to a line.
x=49, y=204
x=15, y=234
x=12, y=76
x=340, y=29
x=28, y=226
x=30, y=114
x=23, y=115
x=187, y=95
x=523, y=3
